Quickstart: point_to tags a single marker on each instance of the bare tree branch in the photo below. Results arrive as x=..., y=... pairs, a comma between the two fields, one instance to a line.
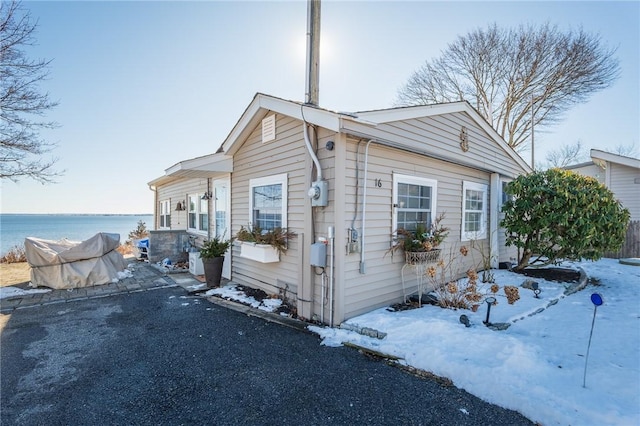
x=22, y=104
x=506, y=74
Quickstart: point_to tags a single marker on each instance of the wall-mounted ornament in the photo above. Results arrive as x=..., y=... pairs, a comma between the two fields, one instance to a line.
x=464, y=139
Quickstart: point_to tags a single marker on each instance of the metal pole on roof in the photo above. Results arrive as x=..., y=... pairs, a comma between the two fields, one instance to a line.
x=313, y=52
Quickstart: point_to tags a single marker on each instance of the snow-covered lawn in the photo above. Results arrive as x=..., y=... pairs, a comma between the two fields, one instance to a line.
x=537, y=365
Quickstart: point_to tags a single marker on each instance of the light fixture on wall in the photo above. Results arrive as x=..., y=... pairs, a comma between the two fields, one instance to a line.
x=207, y=196
x=180, y=206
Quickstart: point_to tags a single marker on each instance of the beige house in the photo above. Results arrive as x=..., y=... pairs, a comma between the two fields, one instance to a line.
x=349, y=180
x=619, y=173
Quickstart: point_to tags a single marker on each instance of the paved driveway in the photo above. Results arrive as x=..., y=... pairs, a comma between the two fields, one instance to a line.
x=162, y=357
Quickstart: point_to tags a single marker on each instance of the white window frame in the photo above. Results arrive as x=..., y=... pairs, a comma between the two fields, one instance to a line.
x=281, y=179
x=198, y=212
x=165, y=215
x=482, y=233
x=413, y=180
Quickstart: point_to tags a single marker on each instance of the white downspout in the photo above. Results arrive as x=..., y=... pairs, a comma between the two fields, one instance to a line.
x=363, y=268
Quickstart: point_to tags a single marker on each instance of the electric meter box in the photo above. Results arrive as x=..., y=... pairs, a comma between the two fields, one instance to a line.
x=318, y=255
x=319, y=193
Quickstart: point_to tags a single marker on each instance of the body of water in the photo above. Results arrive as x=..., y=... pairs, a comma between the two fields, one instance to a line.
x=14, y=228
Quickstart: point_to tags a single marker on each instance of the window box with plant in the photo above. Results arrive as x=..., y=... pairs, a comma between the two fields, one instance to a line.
x=420, y=245
x=263, y=246
x=212, y=254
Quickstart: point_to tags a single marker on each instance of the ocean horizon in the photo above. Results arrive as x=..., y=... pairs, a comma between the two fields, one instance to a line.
x=15, y=227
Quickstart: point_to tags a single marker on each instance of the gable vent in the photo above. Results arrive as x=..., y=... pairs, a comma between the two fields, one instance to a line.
x=269, y=128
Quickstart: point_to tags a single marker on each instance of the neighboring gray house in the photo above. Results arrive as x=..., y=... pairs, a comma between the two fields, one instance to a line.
x=371, y=172
x=619, y=173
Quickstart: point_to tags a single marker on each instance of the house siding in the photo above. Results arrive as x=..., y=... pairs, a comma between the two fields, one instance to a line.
x=439, y=137
x=381, y=282
x=177, y=192
x=625, y=187
x=592, y=170
x=255, y=159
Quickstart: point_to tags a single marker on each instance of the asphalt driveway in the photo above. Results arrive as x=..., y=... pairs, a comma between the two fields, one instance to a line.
x=161, y=357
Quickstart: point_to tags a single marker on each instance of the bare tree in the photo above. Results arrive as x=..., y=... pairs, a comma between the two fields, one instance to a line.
x=22, y=104
x=566, y=155
x=625, y=150
x=510, y=74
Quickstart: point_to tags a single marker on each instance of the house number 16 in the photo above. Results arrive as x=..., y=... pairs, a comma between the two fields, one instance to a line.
x=378, y=183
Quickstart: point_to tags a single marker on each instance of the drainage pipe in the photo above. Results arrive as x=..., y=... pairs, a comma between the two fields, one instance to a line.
x=331, y=235
x=363, y=268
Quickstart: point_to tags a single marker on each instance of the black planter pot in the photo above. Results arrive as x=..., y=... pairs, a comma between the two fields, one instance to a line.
x=213, y=270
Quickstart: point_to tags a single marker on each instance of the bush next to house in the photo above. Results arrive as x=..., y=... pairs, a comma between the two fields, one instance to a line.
x=557, y=215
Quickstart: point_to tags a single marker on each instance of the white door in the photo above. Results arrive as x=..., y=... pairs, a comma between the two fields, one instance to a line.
x=222, y=218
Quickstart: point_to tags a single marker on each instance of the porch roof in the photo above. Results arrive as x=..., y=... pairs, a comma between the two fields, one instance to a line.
x=206, y=166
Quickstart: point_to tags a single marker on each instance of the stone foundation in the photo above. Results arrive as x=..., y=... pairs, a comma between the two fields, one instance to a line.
x=170, y=244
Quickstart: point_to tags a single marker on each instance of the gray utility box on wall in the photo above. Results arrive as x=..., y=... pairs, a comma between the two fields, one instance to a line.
x=319, y=255
x=319, y=193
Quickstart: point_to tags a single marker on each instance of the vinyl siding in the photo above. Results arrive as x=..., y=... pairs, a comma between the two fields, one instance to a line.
x=623, y=185
x=254, y=159
x=381, y=283
x=592, y=170
x=439, y=137
x=177, y=192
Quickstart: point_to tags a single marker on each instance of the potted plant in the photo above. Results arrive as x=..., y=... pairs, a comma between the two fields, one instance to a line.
x=263, y=245
x=421, y=245
x=212, y=254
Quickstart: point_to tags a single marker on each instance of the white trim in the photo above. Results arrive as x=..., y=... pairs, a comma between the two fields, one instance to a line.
x=603, y=156
x=412, y=180
x=281, y=179
x=475, y=235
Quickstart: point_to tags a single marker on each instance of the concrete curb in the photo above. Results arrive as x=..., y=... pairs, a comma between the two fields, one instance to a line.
x=253, y=312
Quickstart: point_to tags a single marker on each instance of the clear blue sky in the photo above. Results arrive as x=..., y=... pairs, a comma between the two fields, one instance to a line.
x=143, y=85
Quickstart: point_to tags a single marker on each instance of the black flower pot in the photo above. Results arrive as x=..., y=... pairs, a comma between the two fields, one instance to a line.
x=213, y=270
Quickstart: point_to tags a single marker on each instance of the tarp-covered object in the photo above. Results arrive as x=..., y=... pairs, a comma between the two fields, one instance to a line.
x=72, y=264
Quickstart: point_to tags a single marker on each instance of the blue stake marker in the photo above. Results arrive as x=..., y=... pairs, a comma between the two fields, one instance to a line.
x=596, y=299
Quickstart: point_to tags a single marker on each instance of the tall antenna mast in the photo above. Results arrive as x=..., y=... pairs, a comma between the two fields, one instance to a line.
x=313, y=52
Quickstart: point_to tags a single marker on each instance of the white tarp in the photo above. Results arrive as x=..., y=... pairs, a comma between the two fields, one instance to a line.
x=73, y=264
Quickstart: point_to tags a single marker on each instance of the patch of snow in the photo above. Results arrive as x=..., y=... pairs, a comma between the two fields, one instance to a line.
x=6, y=292
x=231, y=292
x=537, y=365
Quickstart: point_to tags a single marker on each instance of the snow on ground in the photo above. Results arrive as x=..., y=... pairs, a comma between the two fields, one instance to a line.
x=233, y=293
x=6, y=292
x=537, y=365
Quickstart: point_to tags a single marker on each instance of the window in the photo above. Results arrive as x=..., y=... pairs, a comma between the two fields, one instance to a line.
x=165, y=214
x=268, y=202
x=415, y=201
x=474, y=211
x=198, y=213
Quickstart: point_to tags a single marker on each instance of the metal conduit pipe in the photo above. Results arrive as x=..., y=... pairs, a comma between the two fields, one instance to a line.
x=313, y=155
x=363, y=268
x=331, y=235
